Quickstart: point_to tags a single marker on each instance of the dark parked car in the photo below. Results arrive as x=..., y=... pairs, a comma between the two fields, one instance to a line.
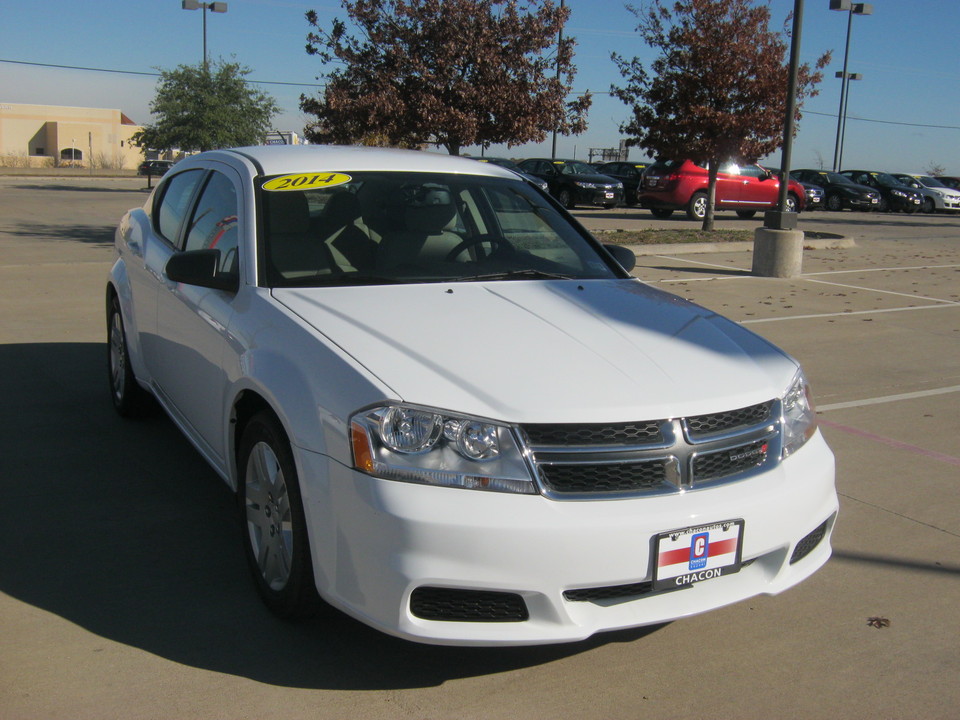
x=573, y=182
x=670, y=185
x=894, y=195
x=950, y=181
x=511, y=165
x=628, y=173
x=840, y=192
x=156, y=168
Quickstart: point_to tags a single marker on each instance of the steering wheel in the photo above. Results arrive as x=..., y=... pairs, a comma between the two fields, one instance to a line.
x=497, y=243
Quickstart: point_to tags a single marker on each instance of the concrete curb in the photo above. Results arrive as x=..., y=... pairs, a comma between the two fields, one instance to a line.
x=721, y=247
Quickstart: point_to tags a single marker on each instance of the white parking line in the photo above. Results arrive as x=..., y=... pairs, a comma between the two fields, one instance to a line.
x=870, y=289
x=883, y=269
x=848, y=314
x=888, y=398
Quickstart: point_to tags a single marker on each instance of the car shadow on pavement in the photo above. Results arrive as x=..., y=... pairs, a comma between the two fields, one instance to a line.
x=101, y=236
x=119, y=527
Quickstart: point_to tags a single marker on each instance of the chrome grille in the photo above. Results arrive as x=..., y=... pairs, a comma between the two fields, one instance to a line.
x=654, y=457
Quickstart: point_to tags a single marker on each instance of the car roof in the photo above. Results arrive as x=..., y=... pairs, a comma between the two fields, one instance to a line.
x=284, y=159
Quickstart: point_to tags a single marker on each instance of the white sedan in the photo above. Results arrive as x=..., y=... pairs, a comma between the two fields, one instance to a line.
x=449, y=412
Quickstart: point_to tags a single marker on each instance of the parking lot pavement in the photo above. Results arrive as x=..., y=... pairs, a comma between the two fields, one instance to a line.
x=123, y=592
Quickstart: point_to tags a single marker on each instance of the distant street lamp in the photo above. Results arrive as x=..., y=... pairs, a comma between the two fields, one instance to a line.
x=218, y=7
x=846, y=96
x=852, y=8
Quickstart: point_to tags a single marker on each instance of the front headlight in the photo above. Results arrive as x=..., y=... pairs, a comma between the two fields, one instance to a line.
x=799, y=416
x=434, y=447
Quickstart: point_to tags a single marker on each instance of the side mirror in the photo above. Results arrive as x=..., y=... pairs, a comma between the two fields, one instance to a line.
x=201, y=268
x=623, y=255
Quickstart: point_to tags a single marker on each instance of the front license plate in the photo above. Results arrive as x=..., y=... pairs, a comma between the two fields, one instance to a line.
x=695, y=554
x=609, y=195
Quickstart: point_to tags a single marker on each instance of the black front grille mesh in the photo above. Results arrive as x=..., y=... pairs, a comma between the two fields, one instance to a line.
x=644, y=433
x=613, y=477
x=729, y=421
x=711, y=466
x=455, y=605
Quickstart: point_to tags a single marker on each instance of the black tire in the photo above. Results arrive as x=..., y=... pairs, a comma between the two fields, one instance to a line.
x=793, y=203
x=565, y=198
x=661, y=213
x=928, y=206
x=272, y=520
x=883, y=205
x=129, y=399
x=746, y=214
x=833, y=202
x=697, y=207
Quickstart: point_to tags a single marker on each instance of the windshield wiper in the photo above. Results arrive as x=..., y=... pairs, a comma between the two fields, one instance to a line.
x=528, y=274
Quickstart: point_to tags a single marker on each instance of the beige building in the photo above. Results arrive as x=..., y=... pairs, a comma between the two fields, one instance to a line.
x=51, y=135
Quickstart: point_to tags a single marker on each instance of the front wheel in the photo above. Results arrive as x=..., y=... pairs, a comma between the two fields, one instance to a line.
x=928, y=205
x=273, y=522
x=746, y=214
x=661, y=213
x=697, y=207
x=129, y=399
x=834, y=202
x=792, y=203
x=565, y=197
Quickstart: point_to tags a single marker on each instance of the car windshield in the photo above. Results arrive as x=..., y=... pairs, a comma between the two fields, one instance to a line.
x=356, y=228
x=930, y=182
x=502, y=162
x=837, y=178
x=886, y=180
x=573, y=167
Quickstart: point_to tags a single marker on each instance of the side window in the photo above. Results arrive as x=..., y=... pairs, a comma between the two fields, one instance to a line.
x=175, y=202
x=214, y=222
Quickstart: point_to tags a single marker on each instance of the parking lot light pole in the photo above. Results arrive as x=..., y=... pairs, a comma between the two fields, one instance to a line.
x=851, y=8
x=218, y=7
x=846, y=97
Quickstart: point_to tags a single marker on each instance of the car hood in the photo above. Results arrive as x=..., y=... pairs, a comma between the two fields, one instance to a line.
x=547, y=351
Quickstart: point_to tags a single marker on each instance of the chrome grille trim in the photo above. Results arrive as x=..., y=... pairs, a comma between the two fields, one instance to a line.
x=683, y=455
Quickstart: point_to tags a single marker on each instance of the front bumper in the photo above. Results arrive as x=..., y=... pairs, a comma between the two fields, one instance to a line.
x=599, y=196
x=375, y=542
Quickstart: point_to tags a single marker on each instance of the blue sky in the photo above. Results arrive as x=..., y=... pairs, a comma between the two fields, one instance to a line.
x=904, y=115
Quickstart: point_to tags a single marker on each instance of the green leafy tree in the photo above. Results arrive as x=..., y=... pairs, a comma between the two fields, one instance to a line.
x=717, y=91
x=445, y=72
x=205, y=107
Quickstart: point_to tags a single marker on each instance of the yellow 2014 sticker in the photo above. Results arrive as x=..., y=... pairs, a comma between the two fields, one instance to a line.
x=306, y=181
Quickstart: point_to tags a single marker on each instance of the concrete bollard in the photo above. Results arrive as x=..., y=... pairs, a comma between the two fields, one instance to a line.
x=777, y=253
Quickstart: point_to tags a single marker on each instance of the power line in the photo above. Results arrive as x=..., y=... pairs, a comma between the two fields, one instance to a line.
x=293, y=84
x=143, y=74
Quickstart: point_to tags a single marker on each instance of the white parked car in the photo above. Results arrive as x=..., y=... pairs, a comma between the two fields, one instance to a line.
x=451, y=413
x=936, y=195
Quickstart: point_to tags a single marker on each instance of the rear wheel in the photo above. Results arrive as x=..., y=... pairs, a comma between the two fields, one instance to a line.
x=274, y=526
x=697, y=207
x=661, y=213
x=746, y=214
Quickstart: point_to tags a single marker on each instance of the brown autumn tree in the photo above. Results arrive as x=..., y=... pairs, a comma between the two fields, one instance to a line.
x=717, y=91
x=453, y=73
